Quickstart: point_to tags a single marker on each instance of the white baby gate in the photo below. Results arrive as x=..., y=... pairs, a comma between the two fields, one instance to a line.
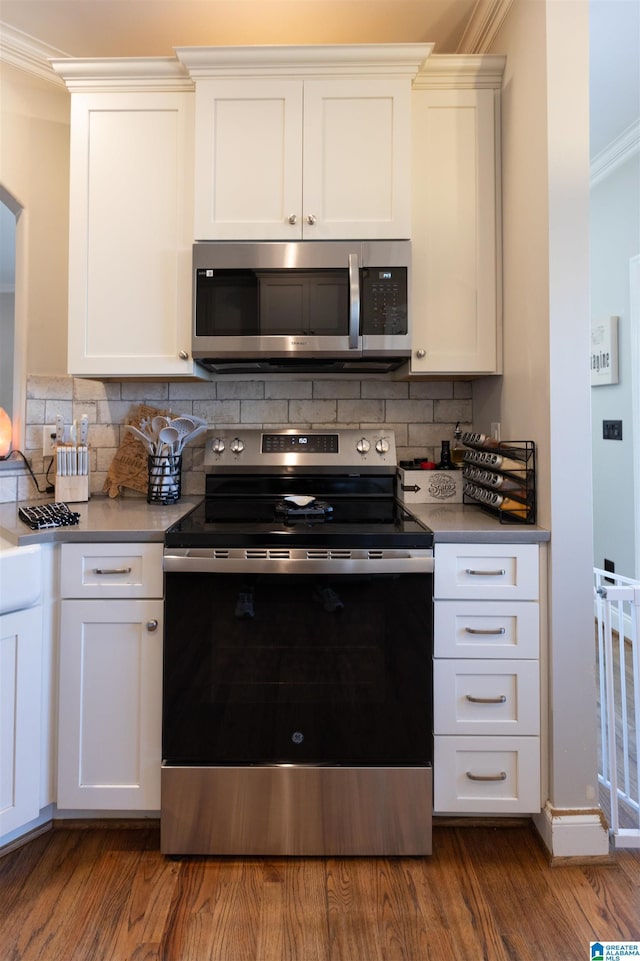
x=617, y=607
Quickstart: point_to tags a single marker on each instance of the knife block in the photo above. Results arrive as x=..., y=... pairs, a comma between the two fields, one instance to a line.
x=73, y=488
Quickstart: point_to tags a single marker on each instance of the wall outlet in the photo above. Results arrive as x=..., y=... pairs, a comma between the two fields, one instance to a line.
x=49, y=440
x=612, y=430
x=611, y=568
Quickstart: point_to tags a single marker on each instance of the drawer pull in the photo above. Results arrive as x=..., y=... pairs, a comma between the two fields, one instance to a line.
x=473, y=573
x=487, y=777
x=112, y=570
x=152, y=625
x=485, y=630
x=500, y=699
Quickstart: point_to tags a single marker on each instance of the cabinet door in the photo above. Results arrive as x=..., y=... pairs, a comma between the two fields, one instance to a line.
x=248, y=160
x=130, y=234
x=110, y=705
x=455, y=287
x=20, y=708
x=356, y=175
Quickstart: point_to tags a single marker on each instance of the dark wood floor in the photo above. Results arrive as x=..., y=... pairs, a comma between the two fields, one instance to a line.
x=486, y=893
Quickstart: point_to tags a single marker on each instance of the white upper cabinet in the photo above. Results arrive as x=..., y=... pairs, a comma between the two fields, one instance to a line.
x=303, y=143
x=456, y=300
x=131, y=221
x=248, y=178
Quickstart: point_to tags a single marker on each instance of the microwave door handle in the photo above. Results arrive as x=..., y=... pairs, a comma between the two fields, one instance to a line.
x=354, y=302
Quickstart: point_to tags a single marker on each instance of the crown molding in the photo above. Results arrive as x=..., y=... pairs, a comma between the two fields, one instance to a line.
x=122, y=74
x=483, y=25
x=384, y=59
x=24, y=52
x=454, y=71
x=626, y=145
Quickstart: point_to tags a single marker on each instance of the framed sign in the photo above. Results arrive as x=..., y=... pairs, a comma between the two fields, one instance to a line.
x=604, y=351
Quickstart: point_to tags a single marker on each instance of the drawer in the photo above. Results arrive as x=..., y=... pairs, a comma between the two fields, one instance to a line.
x=486, y=775
x=486, y=629
x=475, y=697
x=111, y=570
x=486, y=571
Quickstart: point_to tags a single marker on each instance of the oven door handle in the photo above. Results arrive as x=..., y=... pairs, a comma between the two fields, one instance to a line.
x=185, y=560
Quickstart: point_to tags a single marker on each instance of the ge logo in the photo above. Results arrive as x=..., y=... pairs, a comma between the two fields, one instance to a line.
x=297, y=737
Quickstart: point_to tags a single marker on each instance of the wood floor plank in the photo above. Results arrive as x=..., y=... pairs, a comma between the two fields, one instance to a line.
x=374, y=912
x=606, y=907
x=143, y=924
x=293, y=914
x=486, y=894
x=17, y=869
x=215, y=915
x=520, y=897
x=458, y=888
x=36, y=925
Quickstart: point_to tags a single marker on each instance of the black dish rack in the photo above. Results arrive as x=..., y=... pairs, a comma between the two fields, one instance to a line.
x=500, y=476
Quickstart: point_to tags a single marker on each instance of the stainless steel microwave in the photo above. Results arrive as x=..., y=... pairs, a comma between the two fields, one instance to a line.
x=308, y=305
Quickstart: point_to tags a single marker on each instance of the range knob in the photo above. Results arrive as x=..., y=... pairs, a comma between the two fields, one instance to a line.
x=363, y=445
x=237, y=445
x=382, y=445
x=217, y=445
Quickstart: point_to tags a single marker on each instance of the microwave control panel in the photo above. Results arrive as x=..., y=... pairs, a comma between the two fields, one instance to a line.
x=384, y=300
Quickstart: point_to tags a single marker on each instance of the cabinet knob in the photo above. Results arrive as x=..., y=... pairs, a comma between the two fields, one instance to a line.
x=152, y=625
x=421, y=353
x=312, y=219
x=183, y=355
x=292, y=219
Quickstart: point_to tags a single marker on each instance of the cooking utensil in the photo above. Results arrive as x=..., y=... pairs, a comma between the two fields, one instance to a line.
x=184, y=425
x=198, y=421
x=168, y=437
x=190, y=437
x=143, y=438
x=158, y=422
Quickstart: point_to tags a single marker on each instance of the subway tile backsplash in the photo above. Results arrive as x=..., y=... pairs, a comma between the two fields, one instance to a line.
x=421, y=415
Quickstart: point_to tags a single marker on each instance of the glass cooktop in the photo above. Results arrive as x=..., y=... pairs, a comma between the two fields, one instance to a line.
x=266, y=522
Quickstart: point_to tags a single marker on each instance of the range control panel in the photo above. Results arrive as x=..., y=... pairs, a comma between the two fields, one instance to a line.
x=270, y=450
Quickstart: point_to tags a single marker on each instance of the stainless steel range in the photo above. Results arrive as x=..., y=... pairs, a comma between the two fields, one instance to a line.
x=297, y=700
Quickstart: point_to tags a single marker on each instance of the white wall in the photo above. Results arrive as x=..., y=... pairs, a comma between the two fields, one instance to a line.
x=34, y=170
x=615, y=238
x=545, y=391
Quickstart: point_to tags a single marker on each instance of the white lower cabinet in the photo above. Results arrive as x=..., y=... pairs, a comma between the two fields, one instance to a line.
x=20, y=707
x=486, y=679
x=110, y=678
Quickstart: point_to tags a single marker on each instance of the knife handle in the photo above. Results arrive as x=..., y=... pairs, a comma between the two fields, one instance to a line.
x=59, y=429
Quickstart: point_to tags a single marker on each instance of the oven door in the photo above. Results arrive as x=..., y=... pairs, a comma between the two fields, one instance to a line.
x=300, y=664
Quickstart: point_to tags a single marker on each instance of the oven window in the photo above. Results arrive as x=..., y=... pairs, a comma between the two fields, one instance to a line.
x=284, y=303
x=297, y=668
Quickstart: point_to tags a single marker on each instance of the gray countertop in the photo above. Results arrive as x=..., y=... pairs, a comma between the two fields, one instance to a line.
x=101, y=519
x=468, y=524
x=133, y=519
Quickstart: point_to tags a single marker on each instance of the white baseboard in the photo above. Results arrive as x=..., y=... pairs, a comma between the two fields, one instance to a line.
x=571, y=833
